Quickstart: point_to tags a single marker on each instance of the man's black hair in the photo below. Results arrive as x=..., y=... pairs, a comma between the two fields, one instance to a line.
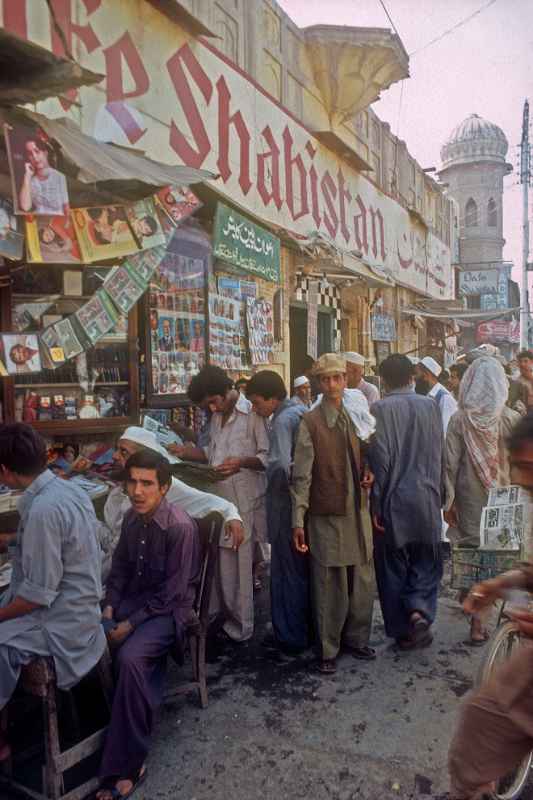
x=209, y=381
x=521, y=433
x=460, y=368
x=22, y=449
x=267, y=384
x=525, y=354
x=149, y=459
x=396, y=371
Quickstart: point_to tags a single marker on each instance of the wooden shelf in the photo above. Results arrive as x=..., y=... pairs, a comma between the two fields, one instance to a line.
x=67, y=385
x=82, y=426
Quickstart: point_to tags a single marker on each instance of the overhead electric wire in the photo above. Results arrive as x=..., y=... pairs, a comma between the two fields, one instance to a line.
x=450, y=30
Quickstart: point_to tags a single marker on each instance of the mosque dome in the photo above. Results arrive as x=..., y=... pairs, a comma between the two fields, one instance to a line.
x=475, y=139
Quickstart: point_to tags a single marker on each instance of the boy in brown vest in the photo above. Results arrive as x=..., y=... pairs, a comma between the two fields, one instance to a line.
x=329, y=485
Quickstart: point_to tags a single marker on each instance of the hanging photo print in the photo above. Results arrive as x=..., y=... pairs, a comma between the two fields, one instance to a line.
x=224, y=332
x=51, y=349
x=260, y=321
x=177, y=202
x=97, y=317
x=38, y=187
x=103, y=232
x=124, y=288
x=144, y=264
x=68, y=339
x=52, y=240
x=21, y=353
x=11, y=239
x=145, y=224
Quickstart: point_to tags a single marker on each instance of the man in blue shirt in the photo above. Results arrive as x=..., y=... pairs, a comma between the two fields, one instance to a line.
x=406, y=458
x=289, y=581
x=52, y=607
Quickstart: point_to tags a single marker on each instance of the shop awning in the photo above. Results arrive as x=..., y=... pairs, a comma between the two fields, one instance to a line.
x=466, y=314
x=110, y=165
x=372, y=275
x=29, y=73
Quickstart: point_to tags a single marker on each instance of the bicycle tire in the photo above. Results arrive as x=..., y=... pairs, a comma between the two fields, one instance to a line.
x=505, y=639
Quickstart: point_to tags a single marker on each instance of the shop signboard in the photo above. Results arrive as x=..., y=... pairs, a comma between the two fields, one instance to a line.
x=383, y=328
x=246, y=245
x=478, y=282
x=183, y=102
x=499, y=330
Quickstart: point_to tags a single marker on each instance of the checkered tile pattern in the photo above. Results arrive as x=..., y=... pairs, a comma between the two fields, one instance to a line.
x=328, y=296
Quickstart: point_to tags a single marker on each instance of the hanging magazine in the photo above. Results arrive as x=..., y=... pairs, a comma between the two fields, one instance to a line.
x=124, y=288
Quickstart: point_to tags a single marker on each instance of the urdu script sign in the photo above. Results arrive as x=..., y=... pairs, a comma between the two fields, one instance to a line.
x=246, y=245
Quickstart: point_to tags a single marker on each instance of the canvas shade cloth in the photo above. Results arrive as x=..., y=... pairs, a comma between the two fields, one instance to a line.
x=108, y=164
x=29, y=72
x=482, y=397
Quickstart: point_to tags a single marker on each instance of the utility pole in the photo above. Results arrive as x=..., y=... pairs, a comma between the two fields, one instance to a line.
x=524, y=180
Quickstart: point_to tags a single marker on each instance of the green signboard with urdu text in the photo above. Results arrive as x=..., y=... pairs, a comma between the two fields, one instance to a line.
x=246, y=245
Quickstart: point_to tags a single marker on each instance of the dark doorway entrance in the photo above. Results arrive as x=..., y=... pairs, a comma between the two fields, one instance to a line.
x=300, y=361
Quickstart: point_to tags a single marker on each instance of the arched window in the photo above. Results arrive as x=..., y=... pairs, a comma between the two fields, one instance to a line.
x=471, y=214
x=492, y=213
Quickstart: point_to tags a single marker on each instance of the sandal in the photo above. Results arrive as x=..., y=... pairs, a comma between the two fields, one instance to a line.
x=328, y=666
x=415, y=644
x=364, y=653
x=113, y=793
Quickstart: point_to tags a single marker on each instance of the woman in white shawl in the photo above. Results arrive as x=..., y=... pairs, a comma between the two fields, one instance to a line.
x=475, y=455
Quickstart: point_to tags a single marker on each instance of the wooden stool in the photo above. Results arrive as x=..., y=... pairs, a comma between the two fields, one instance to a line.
x=209, y=531
x=38, y=678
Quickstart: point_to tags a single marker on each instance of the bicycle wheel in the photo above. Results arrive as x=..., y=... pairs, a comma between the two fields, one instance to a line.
x=505, y=641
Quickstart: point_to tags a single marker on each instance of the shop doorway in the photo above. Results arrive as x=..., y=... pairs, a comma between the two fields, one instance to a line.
x=301, y=363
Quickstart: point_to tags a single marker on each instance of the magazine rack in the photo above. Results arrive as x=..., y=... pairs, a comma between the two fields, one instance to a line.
x=57, y=402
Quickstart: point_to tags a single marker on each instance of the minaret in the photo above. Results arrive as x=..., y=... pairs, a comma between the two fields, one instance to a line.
x=473, y=167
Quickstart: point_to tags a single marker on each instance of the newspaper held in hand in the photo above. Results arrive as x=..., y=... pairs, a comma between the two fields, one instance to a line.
x=504, y=520
x=164, y=436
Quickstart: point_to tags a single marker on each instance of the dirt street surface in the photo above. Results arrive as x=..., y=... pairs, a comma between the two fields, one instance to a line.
x=275, y=729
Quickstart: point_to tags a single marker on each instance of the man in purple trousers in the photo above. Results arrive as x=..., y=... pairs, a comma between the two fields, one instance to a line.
x=149, y=597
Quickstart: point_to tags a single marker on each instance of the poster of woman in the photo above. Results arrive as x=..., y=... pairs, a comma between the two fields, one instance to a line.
x=145, y=224
x=38, y=187
x=103, y=232
x=52, y=240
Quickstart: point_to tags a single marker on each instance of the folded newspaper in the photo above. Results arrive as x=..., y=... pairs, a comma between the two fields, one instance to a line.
x=504, y=520
x=164, y=435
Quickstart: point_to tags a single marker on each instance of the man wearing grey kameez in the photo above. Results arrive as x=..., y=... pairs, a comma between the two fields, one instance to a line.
x=52, y=605
x=329, y=483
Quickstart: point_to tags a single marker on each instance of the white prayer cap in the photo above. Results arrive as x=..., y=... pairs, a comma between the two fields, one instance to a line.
x=301, y=381
x=431, y=365
x=354, y=358
x=144, y=438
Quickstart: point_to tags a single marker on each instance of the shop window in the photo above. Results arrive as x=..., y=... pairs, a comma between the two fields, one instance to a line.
x=471, y=214
x=492, y=213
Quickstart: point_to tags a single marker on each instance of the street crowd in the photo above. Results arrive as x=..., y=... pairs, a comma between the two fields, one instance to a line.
x=334, y=491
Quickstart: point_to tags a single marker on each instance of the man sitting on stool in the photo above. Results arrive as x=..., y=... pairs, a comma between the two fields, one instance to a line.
x=149, y=597
x=52, y=607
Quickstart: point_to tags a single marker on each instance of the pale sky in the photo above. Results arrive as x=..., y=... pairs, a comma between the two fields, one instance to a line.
x=485, y=67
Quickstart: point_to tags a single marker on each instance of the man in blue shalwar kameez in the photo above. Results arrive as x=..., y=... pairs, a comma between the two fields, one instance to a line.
x=289, y=578
x=406, y=458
